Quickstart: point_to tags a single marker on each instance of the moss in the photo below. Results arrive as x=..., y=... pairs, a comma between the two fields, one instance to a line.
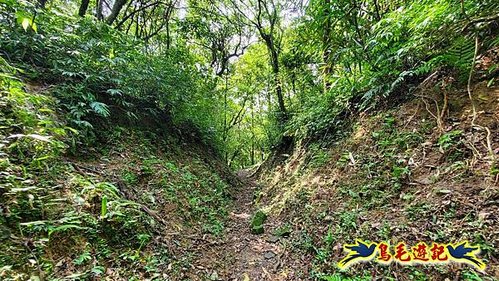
x=257, y=222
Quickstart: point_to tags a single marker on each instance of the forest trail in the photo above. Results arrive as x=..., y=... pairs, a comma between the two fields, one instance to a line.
x=121, y=124
x=242, y=255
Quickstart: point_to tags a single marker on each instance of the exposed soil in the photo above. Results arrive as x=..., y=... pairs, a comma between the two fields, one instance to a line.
x=241, y=255
x=470, y=194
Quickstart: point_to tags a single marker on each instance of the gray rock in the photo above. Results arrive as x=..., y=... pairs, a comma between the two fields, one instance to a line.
x=273, y=239
x=269, y=255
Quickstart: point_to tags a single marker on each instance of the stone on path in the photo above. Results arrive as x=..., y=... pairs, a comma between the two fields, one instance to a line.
x=269, y=255
x=257, y=222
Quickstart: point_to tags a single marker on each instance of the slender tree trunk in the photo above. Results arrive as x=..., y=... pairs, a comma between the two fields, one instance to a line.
x=274, y=60
x=278, y=90
x=376, y=10
x=42, y=3
x=225, y=132
x=168, y=16
x=168, y=39
x=98, y=10
x=252, y=153
x=326, y=42
x=83, y=8
x=267, y=35
x=115, y=11
x=137, y=22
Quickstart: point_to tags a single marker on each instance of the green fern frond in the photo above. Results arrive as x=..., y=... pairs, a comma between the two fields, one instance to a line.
x=494, y=42
x=461, y=52
x=100, y=108
x=459, y=55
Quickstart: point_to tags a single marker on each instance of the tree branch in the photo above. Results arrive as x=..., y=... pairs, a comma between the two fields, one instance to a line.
x=478, y=20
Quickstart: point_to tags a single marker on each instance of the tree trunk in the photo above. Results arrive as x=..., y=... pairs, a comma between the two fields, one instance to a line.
x=252, y=153
x=115, y=11
x=278, y=86
x=83, y=8
x=274, y=61
x=42, y=3
x=98, y=10
x=376, y=10
x=326, y=45
x=168, y=37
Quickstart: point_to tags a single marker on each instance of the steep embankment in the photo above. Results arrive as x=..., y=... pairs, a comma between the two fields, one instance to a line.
x=418, y=172
x=140, y=202
x=151, y=201
x=135, y=204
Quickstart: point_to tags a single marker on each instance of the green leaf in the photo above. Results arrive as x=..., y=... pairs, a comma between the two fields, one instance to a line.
x=34, y=27
x=103, y=209
x=100, y=108
x=25, y=23
x=491, y=81
x=65, y=227
x=114, y=92
x=98, y=270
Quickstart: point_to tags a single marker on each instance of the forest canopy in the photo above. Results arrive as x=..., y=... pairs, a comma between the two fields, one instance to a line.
x=243, y=73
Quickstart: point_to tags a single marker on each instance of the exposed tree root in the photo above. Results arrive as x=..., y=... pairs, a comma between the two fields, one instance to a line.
x=473, y=124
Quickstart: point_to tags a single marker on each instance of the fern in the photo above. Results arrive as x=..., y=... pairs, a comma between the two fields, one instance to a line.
x=460, y=53
x=6, y=67
x=493, y=43
x=100, y=108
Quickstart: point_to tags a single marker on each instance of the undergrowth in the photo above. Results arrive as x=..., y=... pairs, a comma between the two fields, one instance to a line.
x=389, y=180
x=63, y=217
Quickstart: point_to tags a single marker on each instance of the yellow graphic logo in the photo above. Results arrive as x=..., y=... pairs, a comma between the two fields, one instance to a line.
x=421, y=253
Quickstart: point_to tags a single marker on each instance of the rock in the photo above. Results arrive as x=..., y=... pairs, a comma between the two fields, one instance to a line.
x=269, y=255
x=257, y=222
x=273, y=239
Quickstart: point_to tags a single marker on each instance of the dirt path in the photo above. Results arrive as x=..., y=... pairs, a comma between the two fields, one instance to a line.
x=243, y=255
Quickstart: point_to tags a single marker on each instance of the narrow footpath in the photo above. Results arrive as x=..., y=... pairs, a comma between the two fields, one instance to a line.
x=242, y=255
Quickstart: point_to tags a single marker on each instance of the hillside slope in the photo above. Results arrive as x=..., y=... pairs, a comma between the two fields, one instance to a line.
x=148, y=200
x=122, y=124
x=400, y=175
x=132, y=206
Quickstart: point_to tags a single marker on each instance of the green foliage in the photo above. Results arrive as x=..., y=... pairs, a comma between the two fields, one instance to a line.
x=283, y=230
x=129, y=177
x=257, y=222
x=103, y=210
x=34, y=204
x=101, y=72
x=458, y=55
x=340, y=277
x=250, y=126
x=68, y=82
x=83, y=258
x=450, y=139
x=452, y=145
x=373, y=54
x=319, y=156
x=348, y=220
